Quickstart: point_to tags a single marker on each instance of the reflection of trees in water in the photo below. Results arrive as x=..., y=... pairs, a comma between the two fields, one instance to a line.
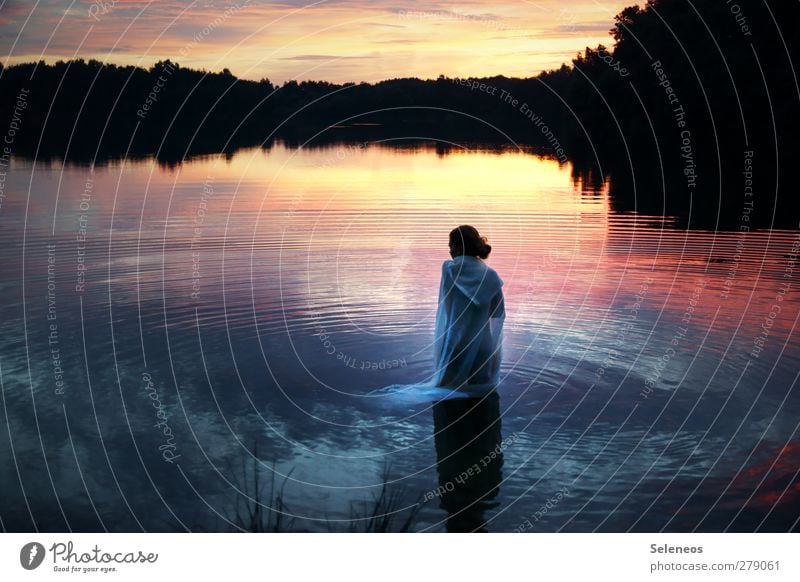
x=260, y=504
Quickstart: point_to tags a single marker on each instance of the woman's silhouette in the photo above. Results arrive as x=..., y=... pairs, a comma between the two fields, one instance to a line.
x=469, y=325
x=470, y=315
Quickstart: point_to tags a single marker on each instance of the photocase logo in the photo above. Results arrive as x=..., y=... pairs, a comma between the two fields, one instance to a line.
x=31, y=555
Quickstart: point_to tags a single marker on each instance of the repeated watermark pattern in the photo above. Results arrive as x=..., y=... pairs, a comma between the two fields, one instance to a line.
x=297, y=212
x=475, y=469
x=508, y=98
x=677, y=339
x=613, y=63
x=347, y=360
x=197, y=234
x=168, y=448
x=52, y=323
x=740, y=16
x=152, y=97
x=14, y=126
x=552, y=501
x=84, y=206
x=744, y=226
x=679, y=114
x=630, y=320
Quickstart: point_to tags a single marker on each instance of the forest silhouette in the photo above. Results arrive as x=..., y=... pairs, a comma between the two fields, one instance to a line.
x=693, y=103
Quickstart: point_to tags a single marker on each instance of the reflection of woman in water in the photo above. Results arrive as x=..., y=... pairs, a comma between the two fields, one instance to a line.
x=469, y=320
x=469, y=454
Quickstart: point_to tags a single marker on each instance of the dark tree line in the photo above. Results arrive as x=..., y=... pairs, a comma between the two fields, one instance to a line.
x=78, y=108
x=715, y=76
x=733, y=67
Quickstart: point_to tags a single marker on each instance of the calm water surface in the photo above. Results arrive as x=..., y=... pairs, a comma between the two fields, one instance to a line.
x=168, y=333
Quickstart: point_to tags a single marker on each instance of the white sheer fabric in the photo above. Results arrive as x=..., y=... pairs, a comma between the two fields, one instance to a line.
x=468, y=333
x=469, y=325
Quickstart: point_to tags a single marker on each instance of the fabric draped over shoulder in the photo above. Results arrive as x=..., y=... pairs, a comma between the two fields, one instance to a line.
x=468, y=333
x=469, y=325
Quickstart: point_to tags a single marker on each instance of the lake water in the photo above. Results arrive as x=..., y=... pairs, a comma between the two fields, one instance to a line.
x=172, y=333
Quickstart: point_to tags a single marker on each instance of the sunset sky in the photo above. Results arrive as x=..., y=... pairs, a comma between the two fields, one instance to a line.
x=334, y=40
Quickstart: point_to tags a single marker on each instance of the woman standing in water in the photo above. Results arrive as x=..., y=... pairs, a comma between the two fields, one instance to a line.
x=470, y=315
x=469, y=329
x=469, y=325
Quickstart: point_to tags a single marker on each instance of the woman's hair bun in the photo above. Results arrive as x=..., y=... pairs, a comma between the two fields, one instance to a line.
x=465, y=240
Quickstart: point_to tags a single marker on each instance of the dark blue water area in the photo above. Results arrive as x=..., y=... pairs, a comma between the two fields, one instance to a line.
x=682, y=458
x=139, y=396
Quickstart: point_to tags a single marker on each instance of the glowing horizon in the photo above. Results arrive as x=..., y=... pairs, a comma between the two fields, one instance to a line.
x=334, y=40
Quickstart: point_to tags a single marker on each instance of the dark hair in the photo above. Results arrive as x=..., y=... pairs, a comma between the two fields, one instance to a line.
x=465, y=240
